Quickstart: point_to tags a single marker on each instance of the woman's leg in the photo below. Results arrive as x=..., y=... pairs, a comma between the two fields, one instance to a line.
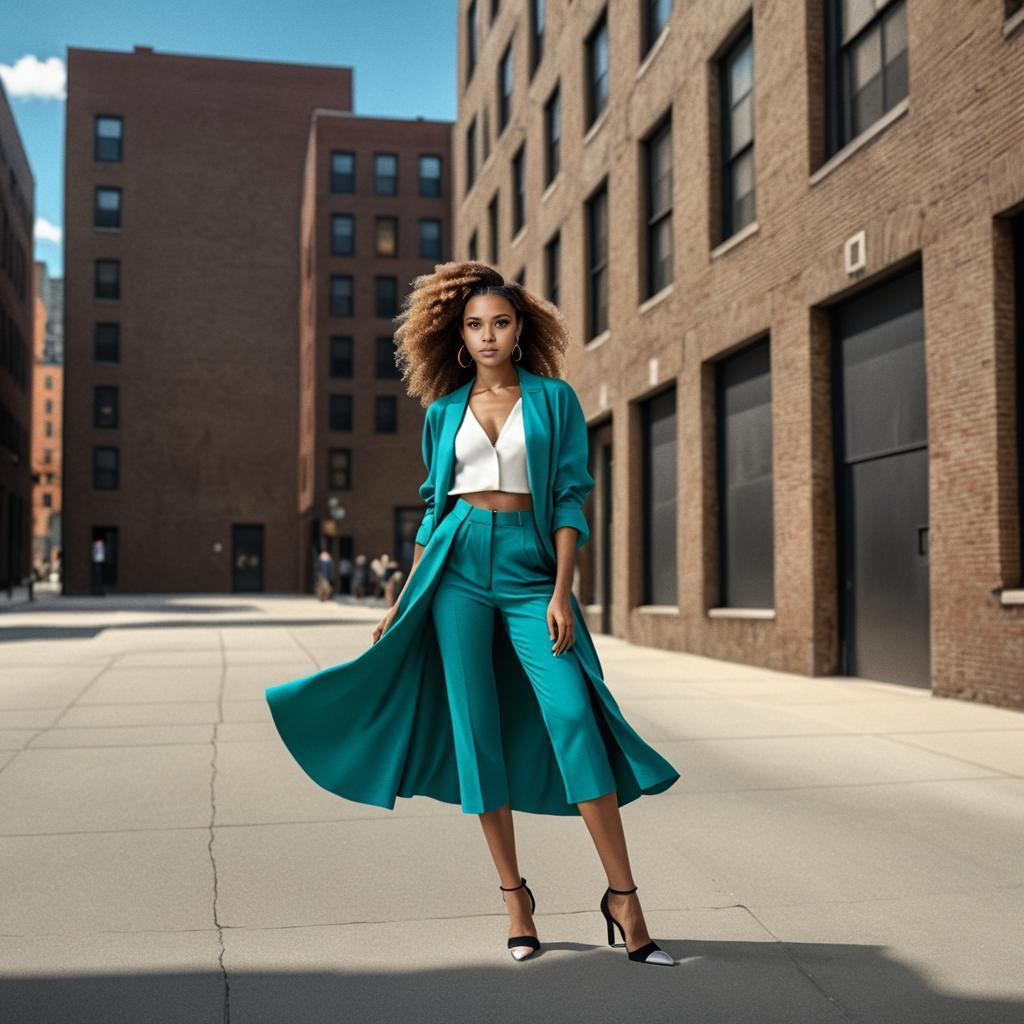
x=604, y=822
x=501, y=841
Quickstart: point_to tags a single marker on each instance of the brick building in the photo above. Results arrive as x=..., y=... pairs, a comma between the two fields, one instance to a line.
x=183, y=205
x=787, y=238
x=17, y=311
x=47, y=414
x=375, y=214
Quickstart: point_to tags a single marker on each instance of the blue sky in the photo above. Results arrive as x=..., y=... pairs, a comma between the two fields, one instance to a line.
x=402, y=53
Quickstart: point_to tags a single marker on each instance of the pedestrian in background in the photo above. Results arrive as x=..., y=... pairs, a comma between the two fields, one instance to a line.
x=324, y=573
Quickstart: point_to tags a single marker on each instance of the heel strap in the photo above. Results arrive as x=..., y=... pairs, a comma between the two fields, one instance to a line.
x=622, y=892
x=512, y=888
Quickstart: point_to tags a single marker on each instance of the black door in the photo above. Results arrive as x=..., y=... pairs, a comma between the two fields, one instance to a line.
x=247, y=557
x=881, y=439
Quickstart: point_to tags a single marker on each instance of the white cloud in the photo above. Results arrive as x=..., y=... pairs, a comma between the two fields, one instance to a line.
x=47, y=232
x=32, y=78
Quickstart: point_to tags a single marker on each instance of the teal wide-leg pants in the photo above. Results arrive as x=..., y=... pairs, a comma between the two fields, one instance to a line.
x=495, y=568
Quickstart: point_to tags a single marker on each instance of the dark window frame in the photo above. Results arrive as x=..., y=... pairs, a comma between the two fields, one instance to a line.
x=337, y=178
x=340, y=361
x=385, y=367
x=537, y=20
x=113, y=289
x=471, y=154
x=378, y=178
x=385, y=308
x=107, y=219
x=651, y=30
x=106, y=335
x=334, y=298
x=656, y=218
x=553, y=134
x=517, y=167
x=380, y=403
x=438, y=252
x=105, y=395
x=378, y=221
x=106, y=478
x=728, y=160
x=428, y=188
x=340, y=413
x=472, y=41
x=494, y=226
x=596, y=98
x=552, y=267
x=332, y=469
x=650, y=407
x=506, y=76
x=597, y=269
x=337, y=218
x=115, y=144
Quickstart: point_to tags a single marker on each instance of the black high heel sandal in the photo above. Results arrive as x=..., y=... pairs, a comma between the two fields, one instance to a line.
x=523, y=940
x=651, y=953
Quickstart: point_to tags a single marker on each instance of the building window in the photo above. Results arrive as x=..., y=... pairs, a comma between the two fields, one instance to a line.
x=339, y=469
x=47, y=500
x=536, y=34
x=495, y=8
x=48, y=428
x=108, y=140
x=744, y=419
x=1013, y=6
x=48, y=381
x=552, y=135
x=520, y=278
x=505, y=70
x=387, y=368
x=736, y=74
x=107, y=282
x=655, y=14
x=471, y=40
x=473, y=247
x=471, y=154
x=597, y=261
x=385, y=168
x=48, y=407
x=107, y=208
x=430, y=176
x=658, y=208
x=339, y=412
x=386, y=236
x=492, y=220
x=343, y=171
x=341, y=356
x=597, y=69
x=519, y=190
x=107, y=343
x=387, y=296
x=341, y=295
x=552, y=266
x=106, y=468
x=486, y=133
x=104, y=407
x=866, y=65
x=343, y=234
x=386, y=414
x=659, y=511
x=430, y=239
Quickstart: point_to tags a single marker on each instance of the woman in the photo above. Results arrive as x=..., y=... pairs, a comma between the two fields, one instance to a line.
x=483, y=687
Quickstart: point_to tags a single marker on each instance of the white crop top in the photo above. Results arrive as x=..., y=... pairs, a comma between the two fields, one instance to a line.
x=482, y=466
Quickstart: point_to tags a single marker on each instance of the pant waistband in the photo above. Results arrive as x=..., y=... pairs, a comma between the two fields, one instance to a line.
x=466, y=510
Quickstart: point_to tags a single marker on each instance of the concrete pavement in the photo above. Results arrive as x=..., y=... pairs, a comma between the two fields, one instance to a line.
x=836, y=849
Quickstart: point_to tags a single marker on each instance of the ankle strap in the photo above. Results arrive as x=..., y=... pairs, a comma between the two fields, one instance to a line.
x=622, y=892
x=513, y=888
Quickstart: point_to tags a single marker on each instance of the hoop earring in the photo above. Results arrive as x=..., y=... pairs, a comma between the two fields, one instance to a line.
x=514, y=352
x=458, y=356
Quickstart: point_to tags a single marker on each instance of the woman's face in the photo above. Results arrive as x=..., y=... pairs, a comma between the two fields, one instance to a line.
x=489, y=329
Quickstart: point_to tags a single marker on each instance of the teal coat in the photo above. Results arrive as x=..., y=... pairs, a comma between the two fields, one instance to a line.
x=378, y=727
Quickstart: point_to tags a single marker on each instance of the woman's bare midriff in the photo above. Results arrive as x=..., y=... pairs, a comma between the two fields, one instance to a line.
x=500, y=501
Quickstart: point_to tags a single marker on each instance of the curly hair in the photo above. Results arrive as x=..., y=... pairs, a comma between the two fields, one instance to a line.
x=427, y=339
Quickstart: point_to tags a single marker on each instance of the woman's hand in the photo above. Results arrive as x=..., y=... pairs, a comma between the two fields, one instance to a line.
x=382, y=626
x=560, y=623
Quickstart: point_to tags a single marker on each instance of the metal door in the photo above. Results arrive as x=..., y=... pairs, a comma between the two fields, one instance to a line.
x=881, y=440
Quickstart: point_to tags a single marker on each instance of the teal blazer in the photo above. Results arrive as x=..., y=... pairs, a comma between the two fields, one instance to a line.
x=378, y=727
x=557, y=452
